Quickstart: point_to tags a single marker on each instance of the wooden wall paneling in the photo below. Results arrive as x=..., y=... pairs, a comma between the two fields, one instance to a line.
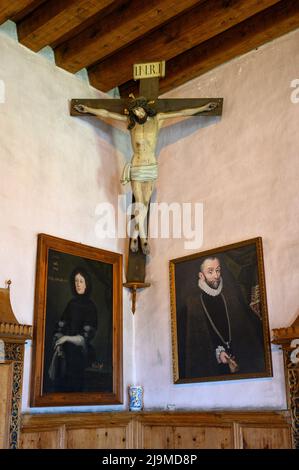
x=39, y=438
x=164, y=430
x=210, y=430
x=6, y=377
x=97, y=438
x=78, y=430
x=185, y=430
x=265, y=437
x=157, y=437
x=138, y=437
x=237, y=436
x=132, y=433
x=269, y=430
x=204, y=437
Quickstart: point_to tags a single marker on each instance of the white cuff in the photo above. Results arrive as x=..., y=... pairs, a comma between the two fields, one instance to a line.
x=218, y=351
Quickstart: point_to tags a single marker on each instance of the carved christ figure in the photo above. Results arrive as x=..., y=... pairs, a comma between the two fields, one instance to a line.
x=144, y=124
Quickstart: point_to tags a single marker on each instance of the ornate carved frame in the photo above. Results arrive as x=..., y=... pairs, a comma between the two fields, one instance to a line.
x=288, y=339
x=13, y=335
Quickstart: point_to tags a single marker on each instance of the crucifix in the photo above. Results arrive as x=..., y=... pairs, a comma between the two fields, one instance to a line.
x=144, y=116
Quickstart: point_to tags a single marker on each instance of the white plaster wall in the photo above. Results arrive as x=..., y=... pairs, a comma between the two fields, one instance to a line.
x=244, y=169
x=55, y=169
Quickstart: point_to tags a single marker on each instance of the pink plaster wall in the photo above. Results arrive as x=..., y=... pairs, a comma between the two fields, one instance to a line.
x=244, y=169
x=56, y=169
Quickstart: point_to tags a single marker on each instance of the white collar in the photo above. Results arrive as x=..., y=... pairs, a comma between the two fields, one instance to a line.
x=208, y=290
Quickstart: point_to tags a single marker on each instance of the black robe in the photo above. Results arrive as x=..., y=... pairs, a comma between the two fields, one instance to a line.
x=197, y=352
x=79, y=318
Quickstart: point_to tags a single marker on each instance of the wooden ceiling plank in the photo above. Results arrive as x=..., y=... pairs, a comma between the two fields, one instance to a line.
x=118, y=30
x=26, y=11
x=10, y=8
x=198, y=25
x=55, y=19
x=248, y=35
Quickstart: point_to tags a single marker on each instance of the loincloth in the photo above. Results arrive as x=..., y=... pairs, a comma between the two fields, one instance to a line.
x=141, y=173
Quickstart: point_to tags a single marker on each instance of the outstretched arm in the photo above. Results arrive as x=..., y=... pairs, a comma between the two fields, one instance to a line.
x=188, y=112
x=102, y=113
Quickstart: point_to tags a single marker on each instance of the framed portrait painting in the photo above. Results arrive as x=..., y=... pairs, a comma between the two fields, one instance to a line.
x=220, y=327
x=77, y=343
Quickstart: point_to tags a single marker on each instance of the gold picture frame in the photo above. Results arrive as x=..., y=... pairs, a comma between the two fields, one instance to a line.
x=219, y=316
x=77, y=343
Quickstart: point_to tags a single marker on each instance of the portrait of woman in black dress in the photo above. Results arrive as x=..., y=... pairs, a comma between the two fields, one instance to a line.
x=77, y=345
x=72, y=345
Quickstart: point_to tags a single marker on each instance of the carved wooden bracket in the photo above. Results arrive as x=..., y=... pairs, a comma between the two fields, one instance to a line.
x=133, y=286
x=13, y=335
x=288, y=339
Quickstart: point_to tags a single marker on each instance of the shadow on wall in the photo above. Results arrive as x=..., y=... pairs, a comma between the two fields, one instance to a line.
x=173, y=133
x=167, y=135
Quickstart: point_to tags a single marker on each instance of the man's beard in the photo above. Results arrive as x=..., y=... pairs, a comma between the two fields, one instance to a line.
x=140, y=120
x=208, y=287
x=212, y=284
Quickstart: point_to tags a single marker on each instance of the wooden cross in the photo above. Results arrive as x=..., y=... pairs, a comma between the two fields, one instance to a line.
x=149, y=75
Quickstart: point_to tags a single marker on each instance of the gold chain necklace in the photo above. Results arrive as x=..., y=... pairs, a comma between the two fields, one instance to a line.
x=213, y=324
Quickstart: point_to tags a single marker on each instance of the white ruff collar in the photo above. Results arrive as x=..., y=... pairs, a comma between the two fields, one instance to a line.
x=209, y=290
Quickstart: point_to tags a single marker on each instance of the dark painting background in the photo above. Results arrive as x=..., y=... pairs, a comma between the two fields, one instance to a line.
x=60, y=267
x=239, y=267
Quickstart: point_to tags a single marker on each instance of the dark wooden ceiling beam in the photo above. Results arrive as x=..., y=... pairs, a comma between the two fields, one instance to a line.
x=188, y=30
x=55, y=19
x=131, y=86
x=9, y=9
x=118, y=30
x=248, y=35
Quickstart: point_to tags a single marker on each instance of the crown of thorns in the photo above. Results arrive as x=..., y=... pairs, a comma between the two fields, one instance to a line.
x=140, y=102
x=135, y=103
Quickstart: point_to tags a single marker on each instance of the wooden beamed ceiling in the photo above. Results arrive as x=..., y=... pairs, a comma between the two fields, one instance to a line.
x=108, y=36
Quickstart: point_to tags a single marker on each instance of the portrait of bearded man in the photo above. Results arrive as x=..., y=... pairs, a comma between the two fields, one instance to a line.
x=219, y=335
